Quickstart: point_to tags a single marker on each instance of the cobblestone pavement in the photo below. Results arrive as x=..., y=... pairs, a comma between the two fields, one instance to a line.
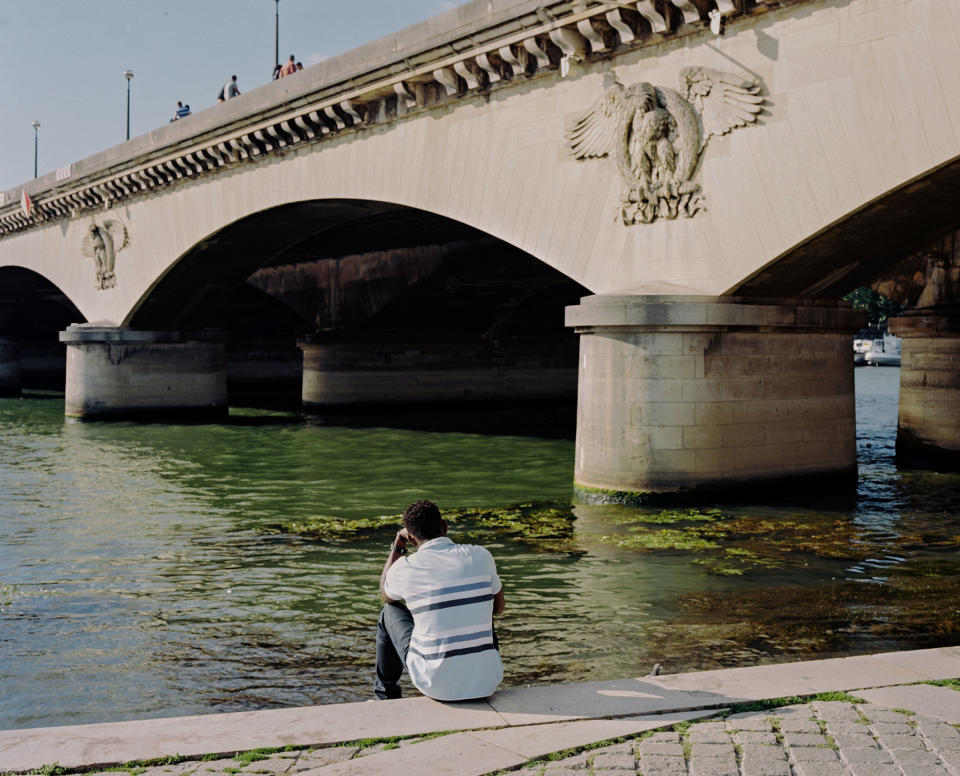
x=815, y=739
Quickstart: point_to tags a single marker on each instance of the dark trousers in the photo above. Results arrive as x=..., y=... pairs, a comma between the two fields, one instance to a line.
x=393, y=640
x=394, y=629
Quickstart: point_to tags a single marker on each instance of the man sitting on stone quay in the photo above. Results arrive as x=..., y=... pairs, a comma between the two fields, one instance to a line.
x=444, y=632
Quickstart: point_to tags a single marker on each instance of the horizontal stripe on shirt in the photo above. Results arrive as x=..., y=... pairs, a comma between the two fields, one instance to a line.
x=452, y=652
x=444, y=640
x=440, y=591
x=453, y=602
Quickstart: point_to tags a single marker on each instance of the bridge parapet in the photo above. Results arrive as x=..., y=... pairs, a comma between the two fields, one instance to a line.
x=472, y=49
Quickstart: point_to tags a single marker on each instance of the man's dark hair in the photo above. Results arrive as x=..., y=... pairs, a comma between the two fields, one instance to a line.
x=422, y=519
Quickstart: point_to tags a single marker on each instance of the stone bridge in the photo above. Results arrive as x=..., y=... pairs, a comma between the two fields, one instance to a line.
x=711, y=176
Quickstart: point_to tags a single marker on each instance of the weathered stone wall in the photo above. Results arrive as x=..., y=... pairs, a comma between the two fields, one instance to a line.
x=336, y=292
x=928, y=424
x=417, y=373
x=685, y=393
x=122, y=373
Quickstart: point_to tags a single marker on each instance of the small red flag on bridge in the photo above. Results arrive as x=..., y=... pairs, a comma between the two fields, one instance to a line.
x=26, y=203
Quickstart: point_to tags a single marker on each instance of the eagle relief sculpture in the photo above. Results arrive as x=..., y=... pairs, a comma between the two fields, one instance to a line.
x=103, y=242
x=657, y=135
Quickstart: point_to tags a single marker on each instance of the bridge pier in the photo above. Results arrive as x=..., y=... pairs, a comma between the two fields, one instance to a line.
x=392, y=373
x=123, y=373
x=9, y=366
x=928, y=423
x=698, y=395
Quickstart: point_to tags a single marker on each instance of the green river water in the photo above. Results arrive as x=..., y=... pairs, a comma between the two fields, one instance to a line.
x=149, y=570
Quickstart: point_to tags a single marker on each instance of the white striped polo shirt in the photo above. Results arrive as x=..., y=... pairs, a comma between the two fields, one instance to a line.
x=449, y=589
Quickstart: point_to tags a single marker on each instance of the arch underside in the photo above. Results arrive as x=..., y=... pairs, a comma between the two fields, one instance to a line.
x=29, y=301
x=862, y=246
x=362, y=268
x=297, y=233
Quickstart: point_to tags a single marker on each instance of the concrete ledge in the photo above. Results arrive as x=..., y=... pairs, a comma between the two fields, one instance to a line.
x=93, y=332
x=103, y=744
x=690, y=313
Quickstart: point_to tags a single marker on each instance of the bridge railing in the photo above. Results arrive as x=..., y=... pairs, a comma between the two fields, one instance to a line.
x=480, y=51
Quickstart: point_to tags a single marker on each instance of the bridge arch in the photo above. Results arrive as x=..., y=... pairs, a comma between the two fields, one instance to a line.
x=380, y=295
x=32, y=313
x=861, y=246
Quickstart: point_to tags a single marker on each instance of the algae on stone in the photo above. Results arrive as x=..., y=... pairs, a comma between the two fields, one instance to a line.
x=547, y=527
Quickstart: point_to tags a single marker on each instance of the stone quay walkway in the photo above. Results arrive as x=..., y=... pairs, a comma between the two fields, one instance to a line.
x=889, y=714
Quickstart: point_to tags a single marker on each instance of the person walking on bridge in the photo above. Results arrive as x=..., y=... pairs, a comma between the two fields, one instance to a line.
x=290, y=68
x=443, y=634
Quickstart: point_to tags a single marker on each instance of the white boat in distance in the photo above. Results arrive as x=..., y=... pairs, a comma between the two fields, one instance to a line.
x=882, y=351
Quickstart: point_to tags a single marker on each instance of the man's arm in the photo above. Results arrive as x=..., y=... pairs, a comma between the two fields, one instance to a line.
x=498, y=602
x=400, y=542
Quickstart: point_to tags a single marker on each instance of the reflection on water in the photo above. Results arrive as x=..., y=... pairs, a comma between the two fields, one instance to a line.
x=136, y=579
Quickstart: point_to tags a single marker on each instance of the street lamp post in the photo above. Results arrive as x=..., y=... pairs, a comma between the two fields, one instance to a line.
x=276, y=35
x=36, y=126
x=128, y=74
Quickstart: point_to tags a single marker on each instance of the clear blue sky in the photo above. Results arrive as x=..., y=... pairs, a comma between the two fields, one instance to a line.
x=63, y=62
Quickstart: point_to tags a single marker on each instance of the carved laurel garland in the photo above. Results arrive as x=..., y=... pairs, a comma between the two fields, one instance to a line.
x=657, y=135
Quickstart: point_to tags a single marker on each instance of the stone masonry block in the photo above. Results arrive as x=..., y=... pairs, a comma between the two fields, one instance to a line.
x=662, y=765
x=814, y=754
x=759, y=459
x=754, y=737
x=720, y=367
x=797, y=711
x=743, y=435
x=712, y=750
x=658, y=390
x=820, y=769
x=934, y=728
x=848, y=728
x=804, y=739
x=736, y=344
x=618, y=761
x=665, y=748
x=714, y=461
x=714, y=725
x=798, y=724
x=664, y=413
x=730, y=389
x=915, y=759
x=708, y=737
x=670, y=461
x=766, y=768
x=657, y=437
x=893, y=728
x=749, y=720
x=836, y=711
x=902, y=742
x=763, y=752
x=666, y=736
x=664, y=366
x=714, y=766
x=874, y=769
x=855, y=741
x=866, y=756
x=714, y=413
x=703, y=437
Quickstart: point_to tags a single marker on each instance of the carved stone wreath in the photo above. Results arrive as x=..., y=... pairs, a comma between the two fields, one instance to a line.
x=102, y=242
x=657, y=136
